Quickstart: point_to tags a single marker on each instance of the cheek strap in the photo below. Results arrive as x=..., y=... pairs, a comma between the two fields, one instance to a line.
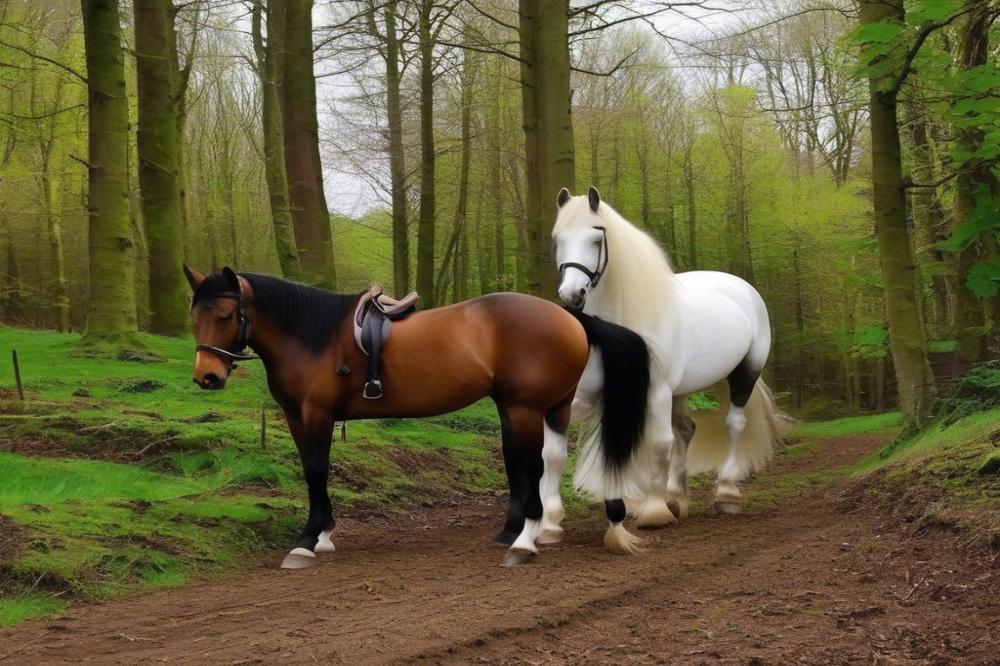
x=602, y=262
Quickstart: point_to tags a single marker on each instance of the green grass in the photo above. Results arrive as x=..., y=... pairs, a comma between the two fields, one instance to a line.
x=851, y=425
x=119, y=473
x=28, y=607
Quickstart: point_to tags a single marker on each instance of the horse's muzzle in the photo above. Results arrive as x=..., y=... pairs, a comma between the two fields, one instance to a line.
x=210, y=382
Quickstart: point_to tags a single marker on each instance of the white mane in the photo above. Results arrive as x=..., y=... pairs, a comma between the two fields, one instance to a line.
x=637, y=289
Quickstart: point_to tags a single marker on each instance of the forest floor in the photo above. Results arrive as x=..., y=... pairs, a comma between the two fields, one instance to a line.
x=821, y=567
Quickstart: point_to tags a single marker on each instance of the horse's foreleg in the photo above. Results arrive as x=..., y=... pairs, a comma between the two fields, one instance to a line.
x=654, y=511
x=313, y=438
x=527, y=426
x=727, y=491
x=554, y=457
x=516, y=481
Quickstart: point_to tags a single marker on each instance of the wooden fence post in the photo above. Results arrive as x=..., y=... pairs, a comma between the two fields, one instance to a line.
x=17, y=374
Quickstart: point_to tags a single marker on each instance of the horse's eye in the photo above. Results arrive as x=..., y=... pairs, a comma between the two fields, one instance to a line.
x=226, y=317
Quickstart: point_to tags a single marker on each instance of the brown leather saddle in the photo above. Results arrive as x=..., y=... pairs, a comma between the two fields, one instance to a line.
x=372, y=323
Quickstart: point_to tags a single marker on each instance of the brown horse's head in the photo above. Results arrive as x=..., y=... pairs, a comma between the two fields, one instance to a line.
x=221, y=330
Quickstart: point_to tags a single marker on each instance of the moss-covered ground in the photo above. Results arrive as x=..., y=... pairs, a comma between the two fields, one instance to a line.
x=118, y=473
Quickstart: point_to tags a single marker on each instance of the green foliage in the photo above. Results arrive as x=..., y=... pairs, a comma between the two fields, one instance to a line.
x=977, y=390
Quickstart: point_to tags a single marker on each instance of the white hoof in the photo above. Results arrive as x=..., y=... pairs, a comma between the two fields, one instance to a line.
x=518, y=556
x=324, y=545
x=655, y=513
x=620, y=541
x=550, y=535
x=299, y=558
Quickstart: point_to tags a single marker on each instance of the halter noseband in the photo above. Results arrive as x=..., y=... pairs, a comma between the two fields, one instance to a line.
x=243, y=334
x=602, y=262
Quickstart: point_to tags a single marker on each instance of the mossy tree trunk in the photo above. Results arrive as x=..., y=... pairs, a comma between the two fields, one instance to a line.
x=548, y=129
x=915, y=381
x=111, y=308
x=159, y=148
x=310, y=216
x=270, y=67
x=973, y=182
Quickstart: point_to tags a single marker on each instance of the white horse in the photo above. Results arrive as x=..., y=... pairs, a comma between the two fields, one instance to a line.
x=703, y=328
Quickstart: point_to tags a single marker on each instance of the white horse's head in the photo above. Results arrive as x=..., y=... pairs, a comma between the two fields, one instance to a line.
x=608, y=265
x=581, y=244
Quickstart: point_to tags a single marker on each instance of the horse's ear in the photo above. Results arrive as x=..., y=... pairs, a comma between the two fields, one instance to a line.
x=194, y=277
x=564, y=196
x=594, y=197
x=231, y=278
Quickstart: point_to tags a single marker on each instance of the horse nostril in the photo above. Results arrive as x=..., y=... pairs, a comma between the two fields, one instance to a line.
x=583, y=292
x=211, y=379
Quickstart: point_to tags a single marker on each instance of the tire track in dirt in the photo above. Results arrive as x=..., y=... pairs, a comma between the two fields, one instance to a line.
x=803, y=581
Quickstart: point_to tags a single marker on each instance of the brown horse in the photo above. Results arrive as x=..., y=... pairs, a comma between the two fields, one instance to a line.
x=526, y=353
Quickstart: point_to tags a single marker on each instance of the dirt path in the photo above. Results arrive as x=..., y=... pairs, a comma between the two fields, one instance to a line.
x=804, y=581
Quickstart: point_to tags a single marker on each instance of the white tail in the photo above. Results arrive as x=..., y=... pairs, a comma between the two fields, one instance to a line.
x=766, y=427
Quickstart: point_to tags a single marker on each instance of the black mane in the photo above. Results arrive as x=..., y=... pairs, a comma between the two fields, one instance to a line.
x=310, y=314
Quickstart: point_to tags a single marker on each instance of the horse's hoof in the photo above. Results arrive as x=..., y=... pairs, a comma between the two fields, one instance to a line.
x=550, y=535
x=516, y=556
x=504, y=539
x=726, y=508
x=299, y=558
x=655, y=515
x=680, y=511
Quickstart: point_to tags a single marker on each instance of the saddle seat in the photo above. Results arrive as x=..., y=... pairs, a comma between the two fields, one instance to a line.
x=372, y=324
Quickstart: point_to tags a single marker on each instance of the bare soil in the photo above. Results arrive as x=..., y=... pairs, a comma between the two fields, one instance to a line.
x=811, y=579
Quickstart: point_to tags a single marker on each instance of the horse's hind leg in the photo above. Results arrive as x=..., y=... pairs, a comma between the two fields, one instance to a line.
x=313, y=435
x=677, y=486
x=727, y=491
x=554, y=457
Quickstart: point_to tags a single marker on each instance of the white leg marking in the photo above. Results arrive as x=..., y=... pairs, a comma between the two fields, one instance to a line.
x=324, y=545
x=526, y=539
x=554, y=456
x=727, y=492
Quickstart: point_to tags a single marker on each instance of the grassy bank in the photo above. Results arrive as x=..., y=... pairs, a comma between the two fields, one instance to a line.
x=118, y=473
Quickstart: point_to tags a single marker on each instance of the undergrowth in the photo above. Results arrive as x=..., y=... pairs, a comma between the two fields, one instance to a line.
x=117, y=472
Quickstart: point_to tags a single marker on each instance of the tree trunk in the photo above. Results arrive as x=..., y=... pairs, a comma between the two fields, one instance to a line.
x=692, y=213
x=111, y=310
x=425, y=222
x=929, y=226
x=454, y=249
x=548, y=128
x=670, y=221
x=397, y=163
x=270, y=67
x=971, y=184
x=310, y=216
x=915, y=382
x=158, y=146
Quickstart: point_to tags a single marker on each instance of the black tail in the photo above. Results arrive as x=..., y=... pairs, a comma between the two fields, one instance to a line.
x=625, y=359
